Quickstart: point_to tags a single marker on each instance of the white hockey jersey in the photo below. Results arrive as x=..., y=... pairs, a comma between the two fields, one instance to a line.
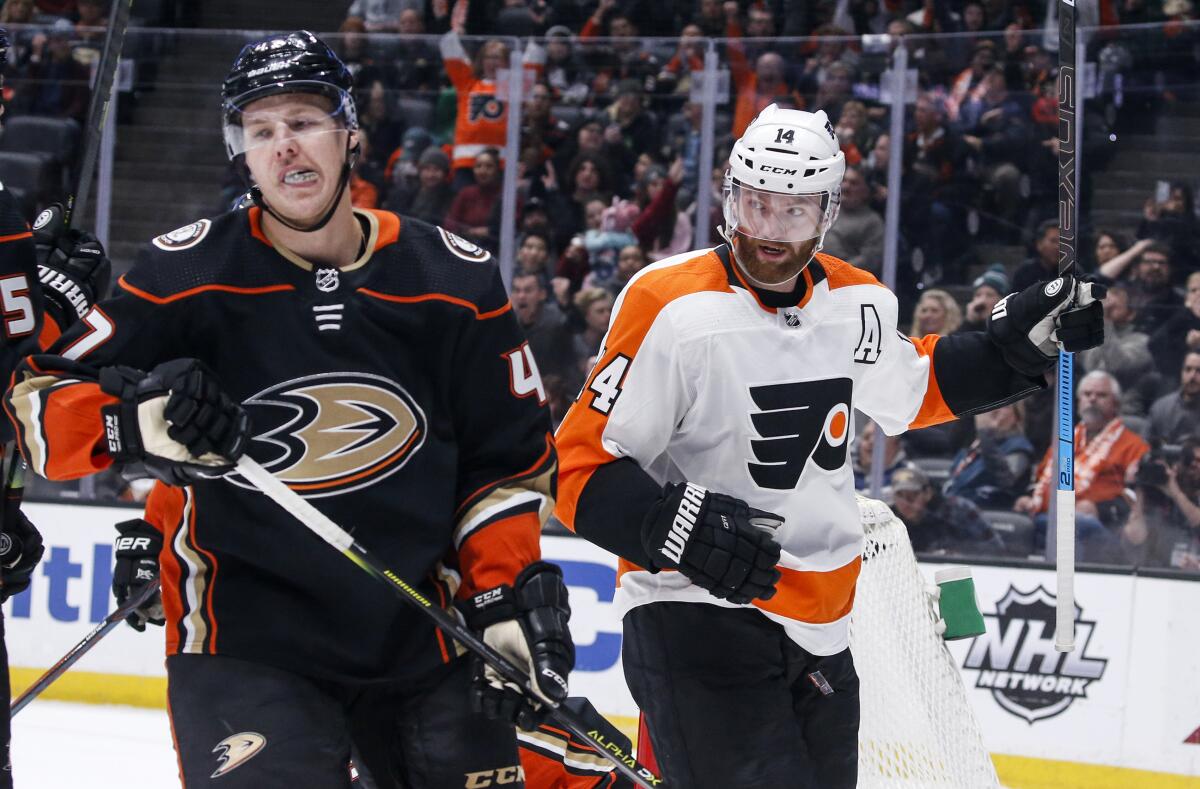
x=699, y=380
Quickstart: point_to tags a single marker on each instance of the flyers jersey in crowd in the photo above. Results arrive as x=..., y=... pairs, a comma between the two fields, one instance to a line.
x=701, y=380
x=362, y=385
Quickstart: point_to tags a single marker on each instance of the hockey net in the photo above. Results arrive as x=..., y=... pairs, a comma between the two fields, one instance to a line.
x=917, y=727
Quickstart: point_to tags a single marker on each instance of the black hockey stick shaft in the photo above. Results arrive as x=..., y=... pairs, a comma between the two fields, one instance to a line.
x=106, y=72
x=339, y=538
x=1068, y=140
x=76, y=652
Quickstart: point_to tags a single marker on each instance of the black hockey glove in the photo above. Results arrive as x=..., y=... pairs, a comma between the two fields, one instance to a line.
x=72, y=267
x=137, y=549
x=720, y=543
x=174, y=421
x=527, y=623
x=1031, y=326
x=20, y=550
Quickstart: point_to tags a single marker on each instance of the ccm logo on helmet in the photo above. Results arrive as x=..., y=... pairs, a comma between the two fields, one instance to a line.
x=767, y=168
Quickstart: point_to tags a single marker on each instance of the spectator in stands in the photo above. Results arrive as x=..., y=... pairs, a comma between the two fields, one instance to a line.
x=857, y=236
x=16, y=12
x=710, y=17
x=1044, y=263
x=941, y=523
x=59, y=82
x=367, y=61
x=1114, y=255
x=994, y=469
x=1163, y=529
x=856, y=133
x=875, y=168
x=758, y=88
x=429, y=198
x=683, y=140
x=833, y=90
x=935, y=163
x=1180, y=333
x=544, y=325
x=92, y=18
x=661, y=228
x=594, y=306
x=676, y=74
x=482, y=115
x=534, y=255
x=1106, y=451
x=420, y=66
x=608, y=232
x=625, y=56
x=968, y=85
x=1150, y=288
x=378, y=116
x=1125, y=352
x=590, y=145
x=381, y=16
x=936, y=313
x=1173, y=222
x=997, y=132
x=894, y=457
x=587, y=180
x=990, y=287
x=472, y=207
x=630, y=261
x=539, y=128
x=1177, y=414
x=629, y=124
x=565, y=71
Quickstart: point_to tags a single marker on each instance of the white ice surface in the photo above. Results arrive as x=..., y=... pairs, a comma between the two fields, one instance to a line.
x=58, y=745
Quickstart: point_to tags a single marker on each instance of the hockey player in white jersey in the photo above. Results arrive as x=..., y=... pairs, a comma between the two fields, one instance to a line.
x=708, y=450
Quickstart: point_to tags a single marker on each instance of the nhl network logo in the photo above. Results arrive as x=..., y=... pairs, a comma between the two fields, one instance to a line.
x=1017, y=660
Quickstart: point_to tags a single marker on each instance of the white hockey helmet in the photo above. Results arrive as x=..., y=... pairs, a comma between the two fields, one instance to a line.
x=784, y=181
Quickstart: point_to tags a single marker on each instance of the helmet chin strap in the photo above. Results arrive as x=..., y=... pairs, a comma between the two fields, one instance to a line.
x=351, y=158
x=729, y=236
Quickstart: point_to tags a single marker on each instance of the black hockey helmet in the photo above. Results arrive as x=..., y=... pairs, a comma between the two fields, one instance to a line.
x=296, y=62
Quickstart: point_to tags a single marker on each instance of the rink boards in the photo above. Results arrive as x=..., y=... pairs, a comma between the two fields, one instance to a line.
x=1123, y=710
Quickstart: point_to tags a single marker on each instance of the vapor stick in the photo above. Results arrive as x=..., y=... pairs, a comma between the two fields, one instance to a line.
x=106, y=72
x=82, y=648
x=339, y=538
x=1064, y=622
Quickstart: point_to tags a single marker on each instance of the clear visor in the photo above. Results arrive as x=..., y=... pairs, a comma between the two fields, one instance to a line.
x=256, y=123
x=771, y=216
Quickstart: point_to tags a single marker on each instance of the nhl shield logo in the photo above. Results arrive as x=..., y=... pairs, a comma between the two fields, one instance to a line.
x=1017, y=660
x=327, y=280
x=183, y=238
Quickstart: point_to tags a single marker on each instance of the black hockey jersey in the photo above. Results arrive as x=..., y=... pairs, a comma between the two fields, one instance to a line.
x=398, y=394
x=20, y=295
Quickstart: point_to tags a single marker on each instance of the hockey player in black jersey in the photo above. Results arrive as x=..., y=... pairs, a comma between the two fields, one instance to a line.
x=71, y=268
x=373, y=364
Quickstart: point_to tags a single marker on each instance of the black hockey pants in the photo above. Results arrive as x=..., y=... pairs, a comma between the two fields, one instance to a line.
x=731, y=702
x=244, y=725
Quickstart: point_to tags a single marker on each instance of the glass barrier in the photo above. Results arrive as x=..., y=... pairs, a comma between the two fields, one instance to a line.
x=619, y=150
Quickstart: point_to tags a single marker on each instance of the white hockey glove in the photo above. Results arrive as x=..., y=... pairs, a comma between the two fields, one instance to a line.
x=1031, y=326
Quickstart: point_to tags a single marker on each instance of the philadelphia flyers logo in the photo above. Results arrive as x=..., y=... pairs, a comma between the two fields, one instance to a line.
x=332, y=433
x=798, y=421
x=485, y=106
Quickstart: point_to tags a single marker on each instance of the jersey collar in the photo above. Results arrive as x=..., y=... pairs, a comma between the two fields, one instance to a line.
x=383, y=228
x=773, y=300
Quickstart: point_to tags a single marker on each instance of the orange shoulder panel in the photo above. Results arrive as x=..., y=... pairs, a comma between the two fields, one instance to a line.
x=580, y=449
x=389, y=228
x=841, y=274
x=933, y=410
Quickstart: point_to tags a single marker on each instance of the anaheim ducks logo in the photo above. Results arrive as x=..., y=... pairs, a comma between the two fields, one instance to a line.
x=334, y=432
x=235, y=750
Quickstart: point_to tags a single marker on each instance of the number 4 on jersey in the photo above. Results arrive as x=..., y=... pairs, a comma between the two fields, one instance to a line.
x=606, y=384
x=524, y=377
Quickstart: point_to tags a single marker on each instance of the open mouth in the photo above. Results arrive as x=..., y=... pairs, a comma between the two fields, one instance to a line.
x=771, y=251
x=299, y=177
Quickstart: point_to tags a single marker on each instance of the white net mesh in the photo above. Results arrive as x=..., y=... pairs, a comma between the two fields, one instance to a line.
x=917, y=727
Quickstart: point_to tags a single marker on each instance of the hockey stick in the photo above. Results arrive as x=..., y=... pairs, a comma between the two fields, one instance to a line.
x=339, y=538
x=106, y=72
x=82, y=648
x=1064, y=621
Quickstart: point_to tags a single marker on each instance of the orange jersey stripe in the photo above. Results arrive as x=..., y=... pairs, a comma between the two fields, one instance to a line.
x=183, y=294
x=498, y=552
x=840, y=274
x=164, y=510
x=579, y=438
x=16, y=237
x=934, y=409
x=479, y=316
x=75, y=445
